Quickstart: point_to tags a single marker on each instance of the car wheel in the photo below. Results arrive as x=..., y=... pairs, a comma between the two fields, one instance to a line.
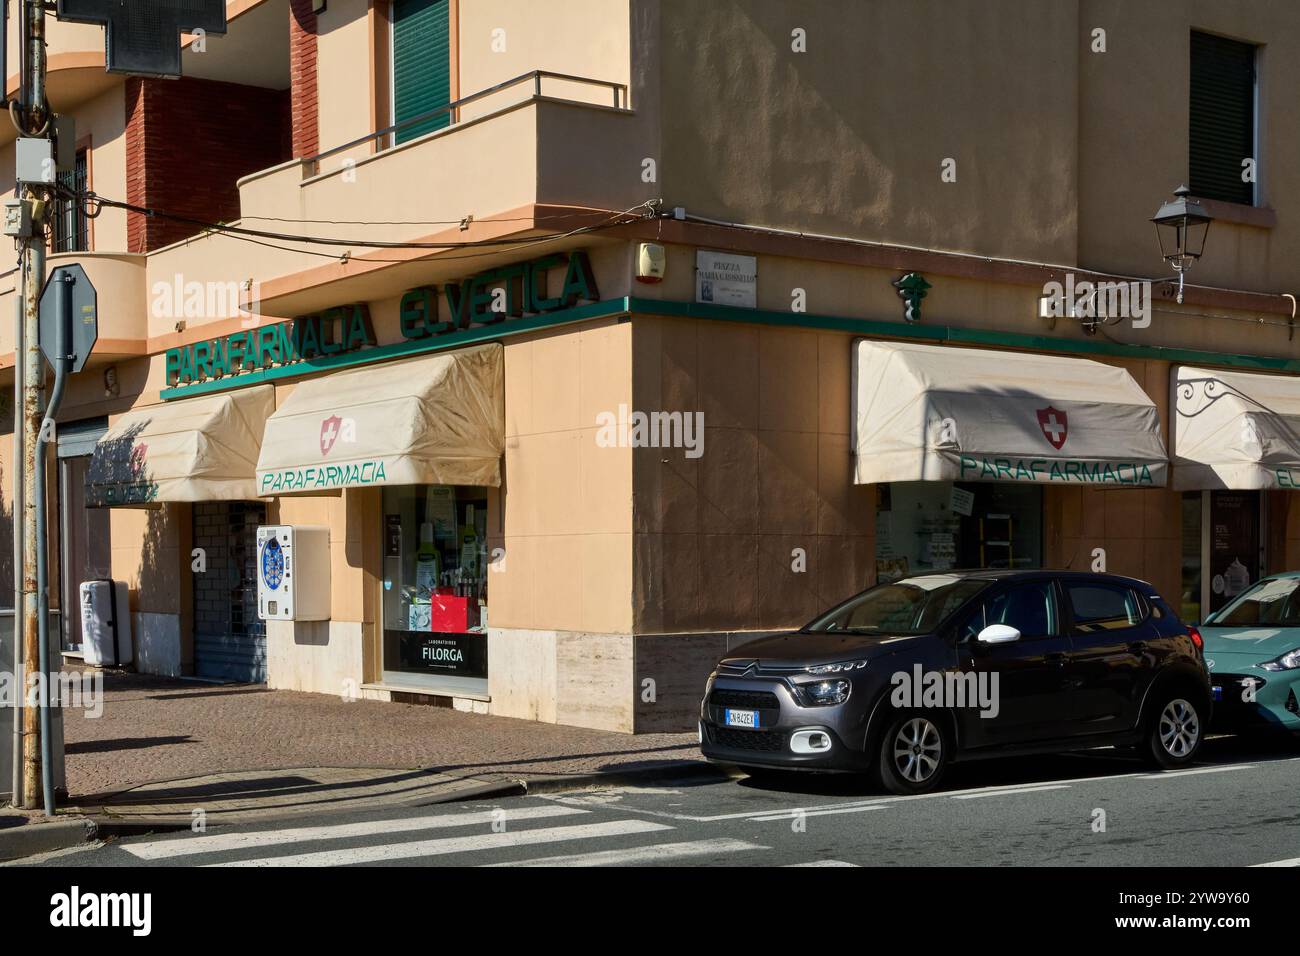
x=913, y=754
x=1175, y=733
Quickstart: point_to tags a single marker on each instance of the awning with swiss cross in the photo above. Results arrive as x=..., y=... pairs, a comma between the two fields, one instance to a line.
x=937, y=413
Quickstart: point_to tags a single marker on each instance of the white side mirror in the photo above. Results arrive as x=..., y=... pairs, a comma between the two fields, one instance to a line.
x=998, y=634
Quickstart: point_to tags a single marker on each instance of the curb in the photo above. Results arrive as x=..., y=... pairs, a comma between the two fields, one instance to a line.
x=30, y=839
x=109, y=826
x=686, y=769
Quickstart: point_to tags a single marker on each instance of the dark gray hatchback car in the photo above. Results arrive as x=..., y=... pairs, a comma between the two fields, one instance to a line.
x=907, y=677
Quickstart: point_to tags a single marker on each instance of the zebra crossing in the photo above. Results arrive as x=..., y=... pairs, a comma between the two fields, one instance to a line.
x=542, y=834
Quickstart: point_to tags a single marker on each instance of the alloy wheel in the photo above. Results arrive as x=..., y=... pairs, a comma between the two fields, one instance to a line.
x=1180, y=728
x=917, y=749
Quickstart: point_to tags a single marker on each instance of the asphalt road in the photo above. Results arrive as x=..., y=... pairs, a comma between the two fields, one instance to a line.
x=1237, y=807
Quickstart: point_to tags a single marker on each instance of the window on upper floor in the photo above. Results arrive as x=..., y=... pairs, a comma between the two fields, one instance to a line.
x=70, y=226
x=1222, y=131
x=421, y=65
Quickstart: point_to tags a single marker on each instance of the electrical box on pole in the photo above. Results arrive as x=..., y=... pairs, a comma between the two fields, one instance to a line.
x=144, y=36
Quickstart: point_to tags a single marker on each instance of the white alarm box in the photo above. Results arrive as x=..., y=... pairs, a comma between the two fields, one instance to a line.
x=293, y=573
x=106, y=623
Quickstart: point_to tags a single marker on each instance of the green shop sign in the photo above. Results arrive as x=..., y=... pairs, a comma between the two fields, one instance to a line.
x=1045, y=471
x=487, y=299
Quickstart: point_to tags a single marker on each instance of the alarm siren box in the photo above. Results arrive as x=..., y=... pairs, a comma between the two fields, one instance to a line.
x=293, y=573
x=651, y=262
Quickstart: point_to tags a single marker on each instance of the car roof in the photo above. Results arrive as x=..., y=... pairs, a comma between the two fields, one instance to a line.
x=1007, y=574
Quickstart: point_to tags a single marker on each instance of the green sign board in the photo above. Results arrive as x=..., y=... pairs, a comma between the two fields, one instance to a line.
x=487, y=299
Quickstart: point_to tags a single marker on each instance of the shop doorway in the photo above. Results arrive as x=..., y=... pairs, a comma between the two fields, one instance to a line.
x=1224, y=534
x=85, y=546
x=229, y=639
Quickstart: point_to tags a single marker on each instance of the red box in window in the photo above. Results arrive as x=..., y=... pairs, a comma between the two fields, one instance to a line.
x=449, y=613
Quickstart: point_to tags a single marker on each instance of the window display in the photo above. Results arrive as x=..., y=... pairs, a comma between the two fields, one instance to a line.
x=435, y=584
x=926, y=526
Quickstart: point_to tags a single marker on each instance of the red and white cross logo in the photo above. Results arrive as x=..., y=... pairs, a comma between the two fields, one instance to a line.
x=1055, y=425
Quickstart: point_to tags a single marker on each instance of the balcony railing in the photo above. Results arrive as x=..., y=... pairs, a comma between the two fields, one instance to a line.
x=312, y=164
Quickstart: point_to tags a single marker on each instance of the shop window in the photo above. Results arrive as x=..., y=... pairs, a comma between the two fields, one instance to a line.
x=1190, y=606
x=924, y=526
x=435, y=585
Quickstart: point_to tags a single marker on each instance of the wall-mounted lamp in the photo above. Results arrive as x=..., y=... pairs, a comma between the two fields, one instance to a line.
x=1181, y=228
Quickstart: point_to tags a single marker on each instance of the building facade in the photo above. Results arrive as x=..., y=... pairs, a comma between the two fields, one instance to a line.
x=603, y=335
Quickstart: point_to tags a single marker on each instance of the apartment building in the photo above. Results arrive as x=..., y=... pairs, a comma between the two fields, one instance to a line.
x=602, y=335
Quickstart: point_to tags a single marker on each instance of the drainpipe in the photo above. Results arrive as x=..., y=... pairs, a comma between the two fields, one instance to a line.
x=16, y=793
x=63, y=307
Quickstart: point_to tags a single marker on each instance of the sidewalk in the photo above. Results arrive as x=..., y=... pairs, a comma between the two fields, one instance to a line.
x=164, y=748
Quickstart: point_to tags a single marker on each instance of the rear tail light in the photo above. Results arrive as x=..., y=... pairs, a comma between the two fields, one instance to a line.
x=1196, y=637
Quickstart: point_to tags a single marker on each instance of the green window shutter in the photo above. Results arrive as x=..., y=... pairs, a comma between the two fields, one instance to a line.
x=421, y=65
x=1222, y=126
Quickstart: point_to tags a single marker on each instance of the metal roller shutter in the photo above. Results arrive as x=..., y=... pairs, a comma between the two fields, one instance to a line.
x=1222, y=124
x=421, y=64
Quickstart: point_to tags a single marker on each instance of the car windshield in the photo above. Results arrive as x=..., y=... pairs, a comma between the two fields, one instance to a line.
x=911, y=606
x=1272, y=602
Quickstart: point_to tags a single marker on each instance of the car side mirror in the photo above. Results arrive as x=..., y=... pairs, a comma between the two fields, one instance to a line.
x=998, y=634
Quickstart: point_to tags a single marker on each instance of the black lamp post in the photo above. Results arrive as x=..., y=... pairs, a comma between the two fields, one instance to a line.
x=1181, y=228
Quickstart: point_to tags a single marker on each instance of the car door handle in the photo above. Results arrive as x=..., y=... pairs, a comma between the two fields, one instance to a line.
x=1056, y=657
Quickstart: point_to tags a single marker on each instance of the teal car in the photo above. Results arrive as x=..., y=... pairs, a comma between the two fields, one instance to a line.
x=1252, y=648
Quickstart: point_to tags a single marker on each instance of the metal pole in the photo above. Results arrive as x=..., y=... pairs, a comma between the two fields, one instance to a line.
x=37, y=122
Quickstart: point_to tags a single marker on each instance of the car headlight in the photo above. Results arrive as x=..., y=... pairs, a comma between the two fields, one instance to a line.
x=1287, y=662
x=823, y=693
x=841, y=668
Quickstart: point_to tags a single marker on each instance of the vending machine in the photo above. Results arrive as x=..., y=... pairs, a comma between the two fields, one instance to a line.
x=293, y=573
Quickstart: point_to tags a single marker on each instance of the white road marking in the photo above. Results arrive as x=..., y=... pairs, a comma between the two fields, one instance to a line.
x=1295, y=862
x=797, y=813
x=822, y=863
x=1008, y=792
x=887, y=800
x=187, y=845
x=446, y=845
x=641, y=854
x=1189, y=773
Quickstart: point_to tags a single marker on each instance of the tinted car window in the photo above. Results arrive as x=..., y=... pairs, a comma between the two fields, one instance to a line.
x=1103, y=607
x=1029, y=608
x=1275, y=603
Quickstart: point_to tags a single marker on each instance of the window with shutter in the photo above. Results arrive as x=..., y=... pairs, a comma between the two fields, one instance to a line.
x=421, y=65
x=1222, y=127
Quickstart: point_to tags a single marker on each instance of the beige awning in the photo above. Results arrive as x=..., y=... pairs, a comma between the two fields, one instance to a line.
x=936, y=413
x=434, y=420
x=1235, y=430
x=193, y=449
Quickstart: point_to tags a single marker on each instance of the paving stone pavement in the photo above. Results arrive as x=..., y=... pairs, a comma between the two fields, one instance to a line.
x=161, y=729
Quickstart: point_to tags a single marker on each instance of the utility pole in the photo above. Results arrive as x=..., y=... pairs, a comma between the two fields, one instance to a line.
x=36, y=122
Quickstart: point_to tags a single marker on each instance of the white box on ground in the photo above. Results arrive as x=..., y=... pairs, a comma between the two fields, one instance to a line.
x=293, y=573
x=106, y=623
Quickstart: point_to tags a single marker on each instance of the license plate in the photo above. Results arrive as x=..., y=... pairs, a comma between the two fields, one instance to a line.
x=741, y=718
x=1216, y=692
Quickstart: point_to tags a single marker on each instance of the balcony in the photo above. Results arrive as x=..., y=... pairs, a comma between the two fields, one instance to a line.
x=519, y=157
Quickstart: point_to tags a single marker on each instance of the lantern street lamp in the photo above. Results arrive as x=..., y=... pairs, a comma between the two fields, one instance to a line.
x=1181, y=228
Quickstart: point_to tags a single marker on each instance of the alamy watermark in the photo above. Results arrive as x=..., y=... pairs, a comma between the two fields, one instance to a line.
x=1097, y=302
x=77, y=690
x=634, y=429
x=921, y=689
